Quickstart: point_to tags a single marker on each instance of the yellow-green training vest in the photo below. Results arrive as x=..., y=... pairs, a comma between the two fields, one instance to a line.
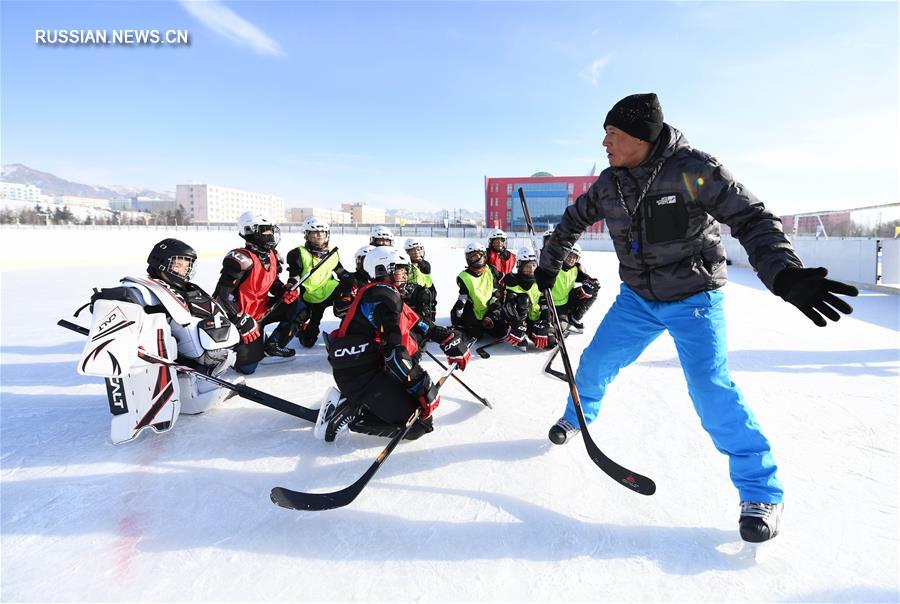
x=565, y=281
x=480, y=290
x=534, y=313
x=418, y=277
x=322, y=282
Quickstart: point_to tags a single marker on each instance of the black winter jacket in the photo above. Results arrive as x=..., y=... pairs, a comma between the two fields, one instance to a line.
x=668, y=245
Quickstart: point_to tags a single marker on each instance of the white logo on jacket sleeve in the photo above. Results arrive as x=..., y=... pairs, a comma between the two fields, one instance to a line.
x=664, y=201
x=353, y=350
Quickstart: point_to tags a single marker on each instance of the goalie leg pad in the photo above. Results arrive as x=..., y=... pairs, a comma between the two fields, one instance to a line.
x=148, y=396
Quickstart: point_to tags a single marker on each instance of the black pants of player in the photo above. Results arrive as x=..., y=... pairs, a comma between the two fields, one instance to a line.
x=309, y=333
x=384, y=404
x=575, y=306
x=249, y=355
x=475, y=328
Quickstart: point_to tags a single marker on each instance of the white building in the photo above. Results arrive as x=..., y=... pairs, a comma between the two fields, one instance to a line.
x=212, y=203
x=328, y=215
x=15, y=191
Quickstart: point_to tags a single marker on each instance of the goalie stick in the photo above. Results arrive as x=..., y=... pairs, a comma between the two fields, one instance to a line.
x=244, y=391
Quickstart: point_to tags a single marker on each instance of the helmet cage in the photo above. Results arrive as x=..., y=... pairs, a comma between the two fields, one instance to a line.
x=169, y=269
x=254, y=235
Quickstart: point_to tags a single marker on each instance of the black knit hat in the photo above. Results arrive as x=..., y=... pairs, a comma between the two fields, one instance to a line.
x=640, y=115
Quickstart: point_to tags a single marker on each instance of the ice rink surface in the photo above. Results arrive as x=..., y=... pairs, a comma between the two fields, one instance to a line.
x=482, y=509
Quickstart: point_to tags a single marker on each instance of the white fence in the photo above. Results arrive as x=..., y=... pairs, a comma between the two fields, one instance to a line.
x=862, y=261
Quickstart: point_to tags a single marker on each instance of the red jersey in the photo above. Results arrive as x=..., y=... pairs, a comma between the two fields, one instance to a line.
x=497, y=260
x=253, y=293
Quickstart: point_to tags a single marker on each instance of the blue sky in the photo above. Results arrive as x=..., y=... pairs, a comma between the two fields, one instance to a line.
x=411, y=104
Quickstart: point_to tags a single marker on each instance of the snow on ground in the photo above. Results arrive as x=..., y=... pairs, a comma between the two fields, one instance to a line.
x=484, y=508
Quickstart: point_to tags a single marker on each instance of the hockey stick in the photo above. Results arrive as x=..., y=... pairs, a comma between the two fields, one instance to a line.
x=297, y=285
x=632, y=480
x=314, y=502
x=481, y=399
x=549, y=370
x=482, y=350
x=251, y=394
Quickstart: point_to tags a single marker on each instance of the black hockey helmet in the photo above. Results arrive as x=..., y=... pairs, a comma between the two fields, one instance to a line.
x=172, y=260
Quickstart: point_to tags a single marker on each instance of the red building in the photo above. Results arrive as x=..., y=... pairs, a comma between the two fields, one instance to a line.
x=548, y=196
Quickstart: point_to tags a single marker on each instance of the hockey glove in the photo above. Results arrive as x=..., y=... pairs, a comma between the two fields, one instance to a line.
x=544, y=278
x=290, y=296
x=812, y=293
x=540, y=334
x=429, y=399
x=587, y=290
x=247, y=327
x=515, y=335
x=456, y=350
x=515, y=309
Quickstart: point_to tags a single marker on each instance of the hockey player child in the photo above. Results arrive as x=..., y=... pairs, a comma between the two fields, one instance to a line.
x=524, y=307
x=421, y=294
x=498, y=256
x=170, y=317
x=318, y=291
x=374, y=357
x=249, y=285
x=476, y=311
x=381, y=236
x=349, y=286
x=573, y=302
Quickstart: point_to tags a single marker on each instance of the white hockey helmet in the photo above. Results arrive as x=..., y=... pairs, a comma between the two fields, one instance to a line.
x=549, y=231
x=361, y=252
x=412, y=242
x=475, y=255
x=258, y=230
x=525, y=254
x=576, y=249
x=381, y=262
x=315, y=225
x=474, y=246
x=360, y=256
x=496, y=234
x=381, y=233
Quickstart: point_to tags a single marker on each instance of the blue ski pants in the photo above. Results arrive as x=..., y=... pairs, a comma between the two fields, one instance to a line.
x=697, y=325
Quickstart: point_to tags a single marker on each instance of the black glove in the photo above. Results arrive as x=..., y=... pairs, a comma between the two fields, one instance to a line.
x=514, y=310
x=544, y=278
x=812, y=293
x=590, y=287
x=541, y=328
x=429, y=398
x=515, y=334
x=540, y=334
x=247, y=327
x=456, y=350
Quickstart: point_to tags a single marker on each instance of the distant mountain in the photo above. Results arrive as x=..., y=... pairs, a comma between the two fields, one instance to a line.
x=50, y=184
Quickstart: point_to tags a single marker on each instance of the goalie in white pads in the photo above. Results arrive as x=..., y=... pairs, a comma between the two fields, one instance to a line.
x=166, y=315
